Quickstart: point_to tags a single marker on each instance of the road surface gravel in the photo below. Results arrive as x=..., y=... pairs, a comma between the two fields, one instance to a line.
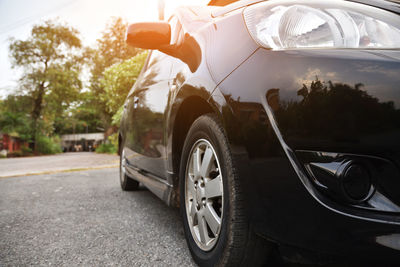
x=84, y=219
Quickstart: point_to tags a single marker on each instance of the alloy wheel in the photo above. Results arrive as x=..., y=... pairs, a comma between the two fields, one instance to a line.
x=204, y=195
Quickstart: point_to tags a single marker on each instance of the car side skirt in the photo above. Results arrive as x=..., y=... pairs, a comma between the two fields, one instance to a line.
x=158, y=186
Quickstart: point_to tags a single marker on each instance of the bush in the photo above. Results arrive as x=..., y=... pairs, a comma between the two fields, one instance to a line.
x=106, y=148
x=113, y=139
x=15, y=154
x=26, y=150
x=46, y=145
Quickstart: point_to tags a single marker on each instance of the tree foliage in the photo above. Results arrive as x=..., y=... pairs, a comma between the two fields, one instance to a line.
x=16, y=104
x=50, y=60
x=50, y=100
x=111, y=49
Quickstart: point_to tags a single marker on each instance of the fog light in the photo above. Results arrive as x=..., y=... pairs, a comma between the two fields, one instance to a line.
x=345, y=179
x=356, y=182
x=361, y=181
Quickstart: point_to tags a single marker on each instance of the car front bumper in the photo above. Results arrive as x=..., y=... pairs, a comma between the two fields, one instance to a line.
x=337, y=101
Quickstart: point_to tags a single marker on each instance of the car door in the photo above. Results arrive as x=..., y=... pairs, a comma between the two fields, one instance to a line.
x=145, y=138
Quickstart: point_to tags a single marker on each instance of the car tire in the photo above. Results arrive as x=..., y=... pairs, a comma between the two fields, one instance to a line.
x=231, y=243
x=127, y=183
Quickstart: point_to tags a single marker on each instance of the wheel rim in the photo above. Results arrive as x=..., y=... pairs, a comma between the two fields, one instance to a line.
x=204, y=195
x=122, y=170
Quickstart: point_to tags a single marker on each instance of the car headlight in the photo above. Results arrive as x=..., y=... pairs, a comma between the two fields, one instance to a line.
x=292, y=24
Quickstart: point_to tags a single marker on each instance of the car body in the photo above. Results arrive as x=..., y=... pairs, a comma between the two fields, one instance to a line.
x=299, y=123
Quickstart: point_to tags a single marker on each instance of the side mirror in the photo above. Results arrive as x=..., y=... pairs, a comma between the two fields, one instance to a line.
x=149, y=35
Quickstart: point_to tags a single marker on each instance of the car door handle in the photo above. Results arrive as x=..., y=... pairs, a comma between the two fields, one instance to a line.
x=135, y=102
x=126, y=103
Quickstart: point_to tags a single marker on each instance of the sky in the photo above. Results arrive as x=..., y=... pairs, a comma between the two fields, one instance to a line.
x=88, y=16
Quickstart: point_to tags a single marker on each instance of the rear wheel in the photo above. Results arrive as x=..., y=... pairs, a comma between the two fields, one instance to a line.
x=212, y=201
x=127, y=184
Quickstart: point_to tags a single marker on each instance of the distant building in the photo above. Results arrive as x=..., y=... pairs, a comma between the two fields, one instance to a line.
x=81, y=142
x=11, y=143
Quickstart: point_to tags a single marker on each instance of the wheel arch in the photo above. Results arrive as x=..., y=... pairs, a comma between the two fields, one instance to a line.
x=187, y=108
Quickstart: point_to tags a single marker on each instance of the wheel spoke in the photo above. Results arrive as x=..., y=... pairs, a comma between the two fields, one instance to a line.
x=212, y=219
x=206, y=164
x=203, y=230
x=196, y=163
x=193, y=210
x=191, y=187
x=213, y=188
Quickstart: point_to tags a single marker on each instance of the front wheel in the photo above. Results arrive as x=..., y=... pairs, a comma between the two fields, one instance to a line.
x=212, y=200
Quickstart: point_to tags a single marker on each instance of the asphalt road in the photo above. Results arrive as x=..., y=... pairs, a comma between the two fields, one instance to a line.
x=84, y=219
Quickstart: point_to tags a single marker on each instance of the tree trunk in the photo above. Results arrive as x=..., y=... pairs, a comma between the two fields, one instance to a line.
x=37, y=110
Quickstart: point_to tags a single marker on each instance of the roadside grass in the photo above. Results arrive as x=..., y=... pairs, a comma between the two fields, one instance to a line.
x=107, y=148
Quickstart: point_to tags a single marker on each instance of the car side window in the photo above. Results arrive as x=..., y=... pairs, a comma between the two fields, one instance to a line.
x=153, y=59
x=158, y=68
x=150, y=73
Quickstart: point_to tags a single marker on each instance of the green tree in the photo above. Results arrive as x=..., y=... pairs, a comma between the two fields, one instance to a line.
x=111, y=49
x=51, y=63
x=16, y=104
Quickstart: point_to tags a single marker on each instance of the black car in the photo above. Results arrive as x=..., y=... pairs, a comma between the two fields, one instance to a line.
x=275, y=126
